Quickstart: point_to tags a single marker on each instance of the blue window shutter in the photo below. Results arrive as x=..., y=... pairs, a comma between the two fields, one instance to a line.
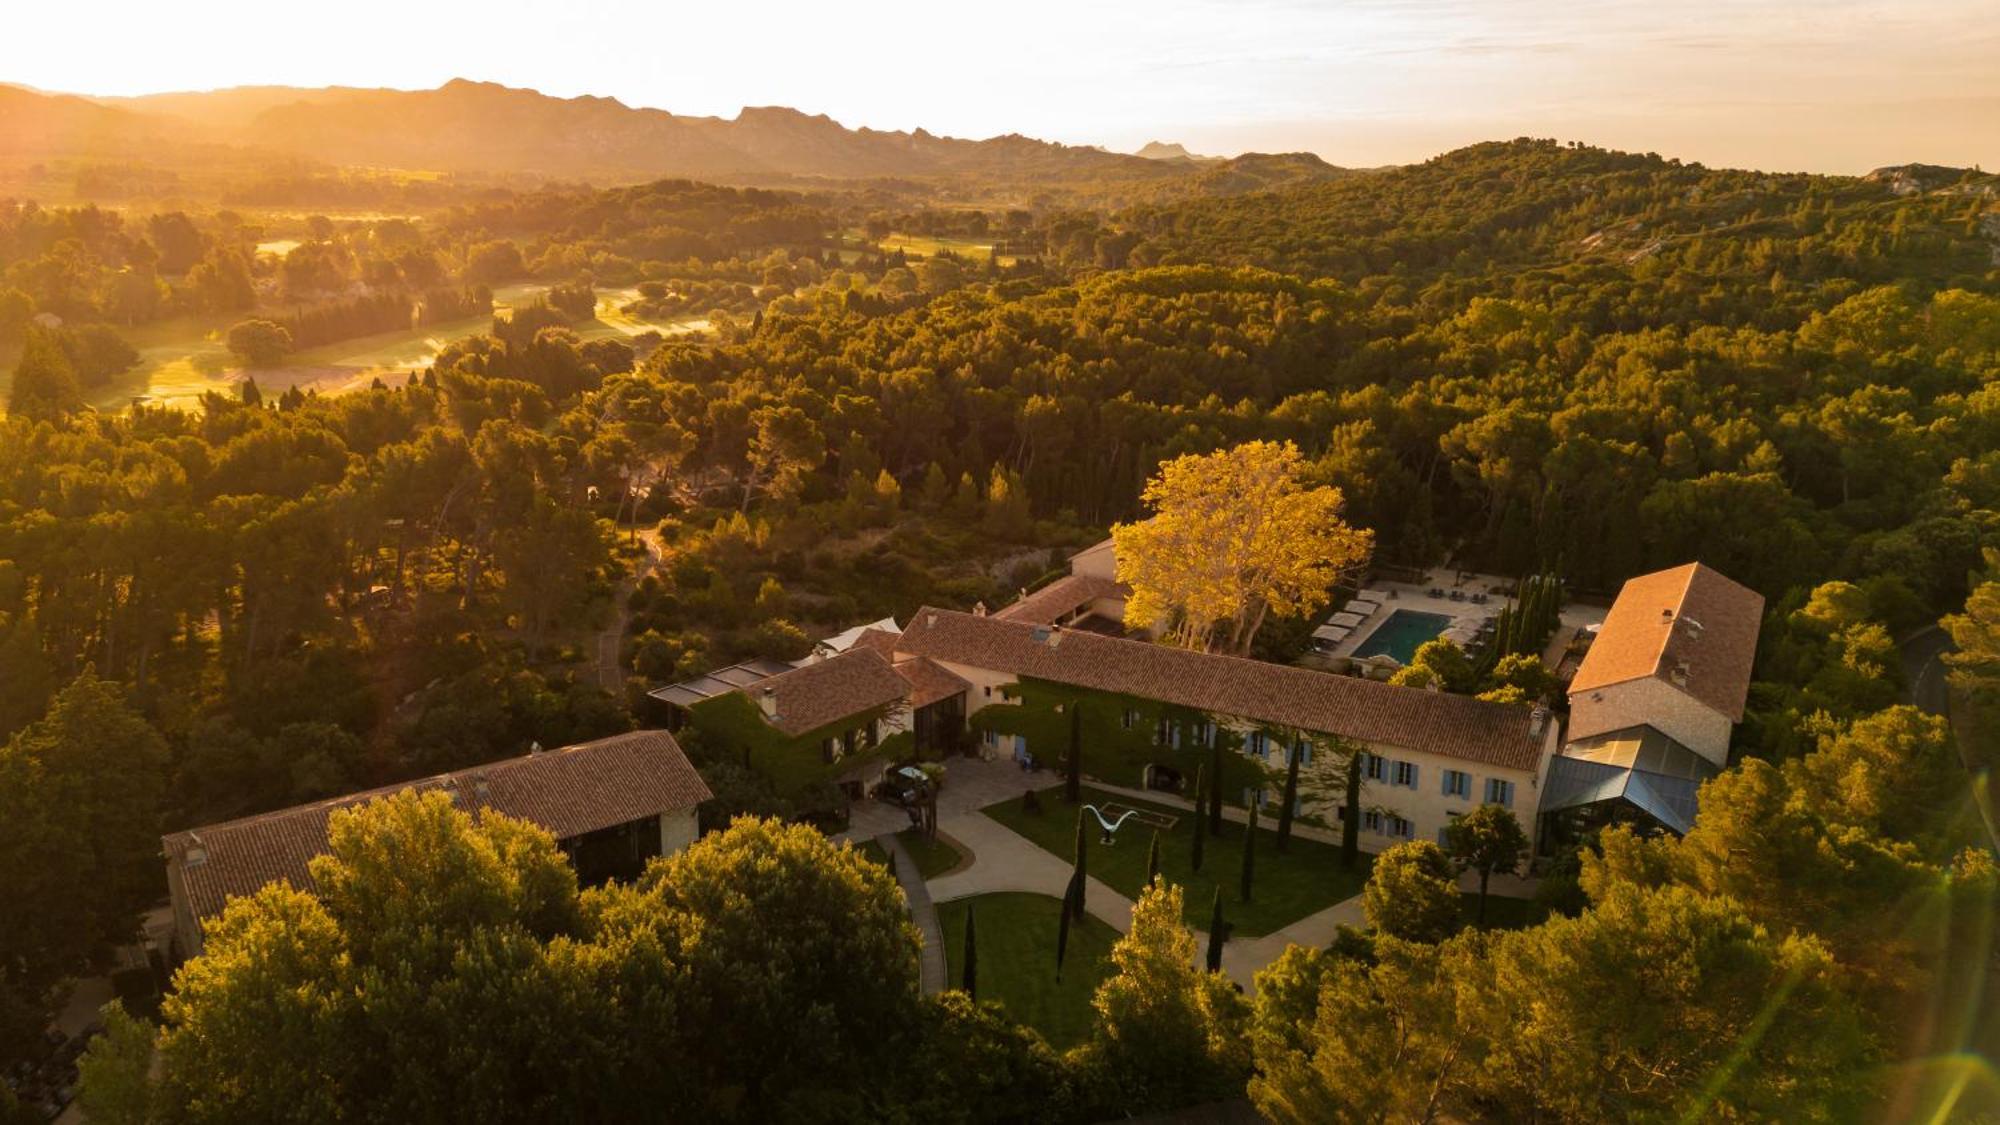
x=1414, y=772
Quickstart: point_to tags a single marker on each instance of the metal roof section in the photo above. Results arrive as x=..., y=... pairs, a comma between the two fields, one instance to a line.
x=1638, y=765
x=708, y=685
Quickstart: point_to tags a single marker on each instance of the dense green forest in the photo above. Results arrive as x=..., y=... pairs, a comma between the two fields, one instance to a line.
x=1523, y=358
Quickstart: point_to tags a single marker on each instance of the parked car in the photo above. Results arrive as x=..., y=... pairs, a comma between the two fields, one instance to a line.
x=904, y=785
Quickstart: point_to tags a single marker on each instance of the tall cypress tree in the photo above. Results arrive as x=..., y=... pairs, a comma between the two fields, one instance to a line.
x=1200, y=795
x=1350, y=824
x=1062, y=927
x=1249, y=853
x=1082, y=863
x=1073, y=765
x=1215, y=786
x=1291, y=798
x=970, y=981
x=1218, y=933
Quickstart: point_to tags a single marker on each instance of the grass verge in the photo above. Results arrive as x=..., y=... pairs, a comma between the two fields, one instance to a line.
x=1017, y=961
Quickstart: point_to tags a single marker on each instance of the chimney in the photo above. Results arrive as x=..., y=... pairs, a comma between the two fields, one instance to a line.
x=1537, y=720
x=196, y=853
x=767, y=701
x=978, y=609
x=1680, y=673
x=534, y=748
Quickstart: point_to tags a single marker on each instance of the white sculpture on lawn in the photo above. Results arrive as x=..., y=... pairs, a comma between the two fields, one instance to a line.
x=1110, y=827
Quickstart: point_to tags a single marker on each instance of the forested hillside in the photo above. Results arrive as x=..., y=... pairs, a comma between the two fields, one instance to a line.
x=1522, y=358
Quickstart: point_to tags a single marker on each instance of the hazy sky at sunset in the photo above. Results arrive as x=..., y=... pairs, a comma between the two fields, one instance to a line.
x=1835, y=85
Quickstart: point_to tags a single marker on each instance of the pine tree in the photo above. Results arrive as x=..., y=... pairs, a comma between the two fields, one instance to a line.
x=970, y=980
x=44, y=382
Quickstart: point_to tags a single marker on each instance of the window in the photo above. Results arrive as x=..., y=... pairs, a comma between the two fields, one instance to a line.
x=1304, y=749
x=991, y=738
x=1129, y=718
x=988, y=689
x=829, y=749
x=1204, y=733
x=1253, y=798
x=872, y=737
x=1457, y=783
x=1258, y=744
x=1444, y=834
x=1372, y=820
x=1499, y=792
x=1400, y=828
x=1374, y=766
x=1406, y=774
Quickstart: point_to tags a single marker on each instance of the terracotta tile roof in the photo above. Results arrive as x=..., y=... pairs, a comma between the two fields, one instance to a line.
x=570, y=791
x=1689, y=626
x=1067, y=593
x=881, y=640
x=827, y=690
x=928, y=682
x=1453, y=725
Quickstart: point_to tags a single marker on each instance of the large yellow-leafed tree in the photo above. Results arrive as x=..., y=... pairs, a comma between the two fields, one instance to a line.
x=1235, y=535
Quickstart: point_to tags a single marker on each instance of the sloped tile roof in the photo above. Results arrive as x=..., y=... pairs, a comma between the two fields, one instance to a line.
x=569, y=792
x=811, y=696
x=1361, y=710
x=1688, y=626
x=1065, y=594
x=928, y=682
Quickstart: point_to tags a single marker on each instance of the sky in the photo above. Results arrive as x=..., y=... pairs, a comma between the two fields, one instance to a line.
x=1830, y=86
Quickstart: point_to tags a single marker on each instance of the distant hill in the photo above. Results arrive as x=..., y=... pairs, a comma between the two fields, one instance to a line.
x=1163, y=150
x=484, y=130
x=35, y=124
x=467, y=126
x=1537, y=203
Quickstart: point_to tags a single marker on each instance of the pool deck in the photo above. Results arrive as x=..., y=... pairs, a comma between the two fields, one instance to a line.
x=1416, y=596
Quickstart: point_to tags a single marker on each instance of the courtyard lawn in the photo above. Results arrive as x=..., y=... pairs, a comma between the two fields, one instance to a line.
x=1017, y=961
x=1288, y=885
x=872, y=851
x=934, y=857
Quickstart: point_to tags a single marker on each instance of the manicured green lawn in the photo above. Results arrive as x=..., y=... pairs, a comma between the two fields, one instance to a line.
x=1504, y=913
x=934, y=857
x=1288, y=885
x=873, y=851
x=1017, y=960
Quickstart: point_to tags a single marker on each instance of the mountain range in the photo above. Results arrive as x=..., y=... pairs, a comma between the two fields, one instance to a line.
x=471, y=128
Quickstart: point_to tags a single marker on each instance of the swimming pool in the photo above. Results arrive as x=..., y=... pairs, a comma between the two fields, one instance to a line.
x=1402, y=634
